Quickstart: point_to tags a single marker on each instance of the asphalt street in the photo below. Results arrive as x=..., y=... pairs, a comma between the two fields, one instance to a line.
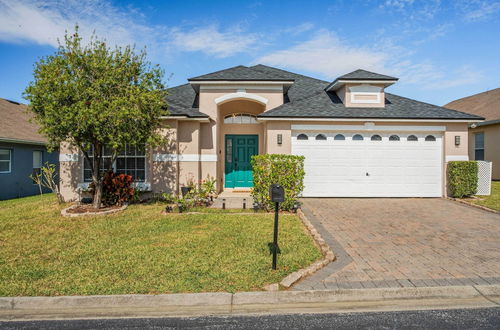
x=485, y=318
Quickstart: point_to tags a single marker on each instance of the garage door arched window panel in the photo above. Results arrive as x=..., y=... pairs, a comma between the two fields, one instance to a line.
x=430, y=138
x=240, y=118
x=302, y=137
x=339, y=137
x=394, y=138
x=412, y=138
x=321, y=137
x=376, y=137
x=357, y=137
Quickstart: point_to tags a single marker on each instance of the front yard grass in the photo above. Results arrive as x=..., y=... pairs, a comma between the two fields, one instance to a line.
x=140, y=250
x=492, y=201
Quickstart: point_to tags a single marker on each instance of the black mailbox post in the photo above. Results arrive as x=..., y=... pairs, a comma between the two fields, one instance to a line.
x=277, y=195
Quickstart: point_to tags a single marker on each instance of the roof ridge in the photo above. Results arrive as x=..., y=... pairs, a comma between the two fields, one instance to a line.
x=218, y=71
x=294, y=73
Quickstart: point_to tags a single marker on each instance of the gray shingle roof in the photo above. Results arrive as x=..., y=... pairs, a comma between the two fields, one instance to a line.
x=328, y=105
x=307, y=98
x=183, y=101
x=365, y=75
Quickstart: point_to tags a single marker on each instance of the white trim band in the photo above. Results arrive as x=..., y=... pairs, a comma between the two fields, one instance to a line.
x=68, y=157
x=369, y=128
x=452, y=158
x=185, y=158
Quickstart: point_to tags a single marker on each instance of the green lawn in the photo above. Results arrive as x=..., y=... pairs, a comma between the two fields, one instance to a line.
x=141, y=251
x=492, y=201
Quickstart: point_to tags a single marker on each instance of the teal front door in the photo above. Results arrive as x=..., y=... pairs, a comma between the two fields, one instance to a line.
x=239, y=152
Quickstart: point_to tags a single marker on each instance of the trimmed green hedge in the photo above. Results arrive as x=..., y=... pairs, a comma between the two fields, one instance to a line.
x=462, y=178
x=286, y=170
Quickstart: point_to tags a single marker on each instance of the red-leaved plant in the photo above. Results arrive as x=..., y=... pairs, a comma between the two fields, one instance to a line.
x=117, y=189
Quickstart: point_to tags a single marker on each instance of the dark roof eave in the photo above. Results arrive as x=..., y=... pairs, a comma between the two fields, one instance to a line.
x=368, y=118
x=487, y=123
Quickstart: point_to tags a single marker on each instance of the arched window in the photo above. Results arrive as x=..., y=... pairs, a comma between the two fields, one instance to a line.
x=339, y=137
x=321, y=137
x=430, y=138
x=302, y=137
x=376, y=137
x=357, y=137
x=393, y=138
x=412, y=138
x=240, y=118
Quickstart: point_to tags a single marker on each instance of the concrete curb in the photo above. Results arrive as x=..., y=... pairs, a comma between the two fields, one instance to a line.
x=484, y=208
x=328, y=255
x=197, y=304
x=65, y=213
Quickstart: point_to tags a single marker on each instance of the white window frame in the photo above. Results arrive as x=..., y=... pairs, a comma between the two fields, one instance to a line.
x=7, y=161
x=41, y=163
x=114, y=167
x=240, y=116
x=475, y=146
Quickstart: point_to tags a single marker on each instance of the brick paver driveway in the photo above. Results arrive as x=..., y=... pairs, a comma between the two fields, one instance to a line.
x=404, y=242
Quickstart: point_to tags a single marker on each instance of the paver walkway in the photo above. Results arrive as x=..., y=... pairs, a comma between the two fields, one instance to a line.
x=404, y=242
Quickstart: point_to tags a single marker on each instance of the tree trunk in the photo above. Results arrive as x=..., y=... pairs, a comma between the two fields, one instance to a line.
x=97, y=198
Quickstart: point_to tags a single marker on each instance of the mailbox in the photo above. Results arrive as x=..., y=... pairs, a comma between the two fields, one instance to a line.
x=277, y=193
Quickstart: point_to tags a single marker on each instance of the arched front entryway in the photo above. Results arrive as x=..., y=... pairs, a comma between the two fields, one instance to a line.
x=241, y=136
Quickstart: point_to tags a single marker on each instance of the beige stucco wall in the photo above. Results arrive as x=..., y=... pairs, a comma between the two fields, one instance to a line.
x=70, y=172
x=491, y=146
x=344, y=94
x=163, y=174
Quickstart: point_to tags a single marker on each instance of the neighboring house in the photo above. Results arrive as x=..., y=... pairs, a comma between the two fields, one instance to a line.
x=484, y=137
x=358, y=140
x=22, y=151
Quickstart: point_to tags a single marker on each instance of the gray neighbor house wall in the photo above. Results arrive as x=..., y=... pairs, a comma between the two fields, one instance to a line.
x=19, y=139
x=17, y=183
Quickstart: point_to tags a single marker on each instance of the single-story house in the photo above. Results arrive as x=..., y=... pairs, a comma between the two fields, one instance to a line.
x=484, y=137
x=357, y=139
x=22, y=151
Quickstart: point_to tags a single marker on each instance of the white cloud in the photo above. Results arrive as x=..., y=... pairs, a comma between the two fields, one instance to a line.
x=212, y=41
x=43, y=22
x=327, y=55
x=477, y=10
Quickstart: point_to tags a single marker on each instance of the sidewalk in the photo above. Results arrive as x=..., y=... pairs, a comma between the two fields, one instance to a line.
x=244, y=303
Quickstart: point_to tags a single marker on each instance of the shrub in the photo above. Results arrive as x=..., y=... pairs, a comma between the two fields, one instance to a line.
x=117, y=189
x=286, y=170
x=462, y=178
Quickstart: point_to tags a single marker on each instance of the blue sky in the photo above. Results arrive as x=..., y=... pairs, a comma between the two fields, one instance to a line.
x=440, y=50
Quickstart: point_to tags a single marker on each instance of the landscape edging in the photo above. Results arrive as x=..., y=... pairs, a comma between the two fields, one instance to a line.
x=65, y=213
x=484, y=208
x=328, y=255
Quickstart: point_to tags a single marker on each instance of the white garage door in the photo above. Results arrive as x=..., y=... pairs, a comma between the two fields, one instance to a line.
x=374, y=164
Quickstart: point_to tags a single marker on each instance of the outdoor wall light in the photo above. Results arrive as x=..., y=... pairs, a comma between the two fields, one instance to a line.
x=280, y=139
x=457, y=140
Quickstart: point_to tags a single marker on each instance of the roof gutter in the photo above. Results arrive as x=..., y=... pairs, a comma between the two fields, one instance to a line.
x=21, y=141
x=369, y=119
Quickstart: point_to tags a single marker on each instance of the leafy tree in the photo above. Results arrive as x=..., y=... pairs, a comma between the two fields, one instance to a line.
x=93, y=96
